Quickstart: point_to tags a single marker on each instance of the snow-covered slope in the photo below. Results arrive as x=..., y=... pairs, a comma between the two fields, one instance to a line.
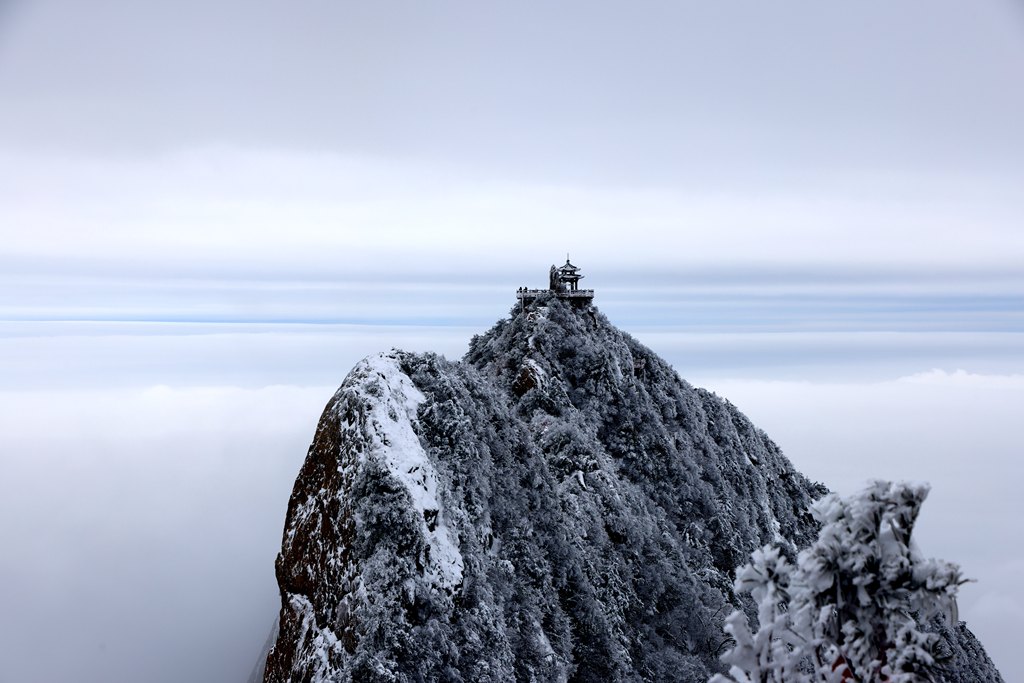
x=558, y=506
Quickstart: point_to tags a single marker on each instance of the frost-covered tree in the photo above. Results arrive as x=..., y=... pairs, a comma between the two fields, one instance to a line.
x=853, y=606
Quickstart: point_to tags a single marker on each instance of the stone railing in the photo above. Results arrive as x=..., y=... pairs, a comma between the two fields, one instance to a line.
x=561, y=294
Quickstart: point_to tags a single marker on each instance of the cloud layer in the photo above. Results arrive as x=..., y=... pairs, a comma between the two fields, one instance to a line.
x=142, y=529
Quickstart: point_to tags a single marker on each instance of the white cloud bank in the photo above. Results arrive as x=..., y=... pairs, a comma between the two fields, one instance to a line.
x=140, y=529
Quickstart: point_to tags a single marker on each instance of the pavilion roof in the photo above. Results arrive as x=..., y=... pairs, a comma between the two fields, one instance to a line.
x=568, y=267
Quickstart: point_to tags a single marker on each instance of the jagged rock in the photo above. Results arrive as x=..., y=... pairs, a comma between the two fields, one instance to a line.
x=557, y=506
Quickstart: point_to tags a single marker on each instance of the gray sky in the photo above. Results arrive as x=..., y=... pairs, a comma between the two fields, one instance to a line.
x=210, y=211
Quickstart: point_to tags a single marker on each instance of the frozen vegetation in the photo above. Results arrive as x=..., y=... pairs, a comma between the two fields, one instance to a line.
x=859, y=604
x=557, y=506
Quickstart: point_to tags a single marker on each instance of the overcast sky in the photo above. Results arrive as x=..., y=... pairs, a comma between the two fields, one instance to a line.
x=210, y=211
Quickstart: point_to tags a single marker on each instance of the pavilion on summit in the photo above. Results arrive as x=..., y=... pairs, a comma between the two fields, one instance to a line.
x=563, y=282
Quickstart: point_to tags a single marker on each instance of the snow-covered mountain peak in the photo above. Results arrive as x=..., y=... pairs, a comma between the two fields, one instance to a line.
x=559, y=505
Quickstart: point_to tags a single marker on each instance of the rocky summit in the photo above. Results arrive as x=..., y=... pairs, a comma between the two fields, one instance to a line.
x=559, y=505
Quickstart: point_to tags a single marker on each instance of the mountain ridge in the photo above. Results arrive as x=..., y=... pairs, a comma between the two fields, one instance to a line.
x=559, y=505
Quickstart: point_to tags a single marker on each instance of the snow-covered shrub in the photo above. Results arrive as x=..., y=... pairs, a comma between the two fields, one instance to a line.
x=853, y=606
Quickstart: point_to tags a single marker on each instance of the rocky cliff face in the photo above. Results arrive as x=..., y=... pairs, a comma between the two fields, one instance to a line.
x=558, y=506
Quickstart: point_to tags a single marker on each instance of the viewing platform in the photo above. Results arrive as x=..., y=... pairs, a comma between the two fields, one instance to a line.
x=528, y=294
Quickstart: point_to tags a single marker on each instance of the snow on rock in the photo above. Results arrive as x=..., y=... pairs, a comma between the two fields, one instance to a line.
x=391, y=425
x=321, y=641
x=367, y=475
